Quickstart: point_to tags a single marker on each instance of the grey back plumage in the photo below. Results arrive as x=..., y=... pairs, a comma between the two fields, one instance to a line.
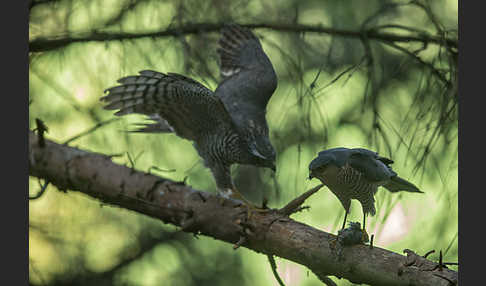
x=368, y=163
x=373, y=167
x=335, y=156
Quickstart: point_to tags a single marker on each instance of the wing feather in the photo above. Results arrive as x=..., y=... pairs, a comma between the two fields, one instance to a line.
x=172, y=100
x=249, y=79
x=369, y=163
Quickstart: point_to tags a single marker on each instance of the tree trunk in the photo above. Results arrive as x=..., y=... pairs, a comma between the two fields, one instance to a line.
x=271, y=233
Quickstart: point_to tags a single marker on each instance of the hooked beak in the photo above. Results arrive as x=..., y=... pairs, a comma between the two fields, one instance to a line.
x=273, y=168
x=255, y=152
x=311, y=175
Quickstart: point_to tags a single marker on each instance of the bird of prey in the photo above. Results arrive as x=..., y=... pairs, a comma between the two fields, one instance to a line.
x=227, y=126
x=356, y=174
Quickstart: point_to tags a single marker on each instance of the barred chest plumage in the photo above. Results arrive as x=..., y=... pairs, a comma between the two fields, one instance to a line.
x=223, y=147
x=358, y=187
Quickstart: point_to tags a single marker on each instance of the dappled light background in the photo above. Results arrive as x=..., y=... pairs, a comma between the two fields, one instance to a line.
x=332, y=91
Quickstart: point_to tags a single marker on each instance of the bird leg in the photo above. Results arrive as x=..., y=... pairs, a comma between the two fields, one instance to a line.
x=227, y=189
x=333, y=241
x=345, y=216
x=365, y=237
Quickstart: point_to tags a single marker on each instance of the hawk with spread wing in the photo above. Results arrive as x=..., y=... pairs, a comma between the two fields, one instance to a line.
x=228, y=125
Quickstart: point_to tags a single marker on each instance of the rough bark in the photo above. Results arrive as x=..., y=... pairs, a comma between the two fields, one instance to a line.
x=201, y=212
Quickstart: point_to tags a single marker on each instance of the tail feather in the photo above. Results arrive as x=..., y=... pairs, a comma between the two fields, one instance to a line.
x=397, y=184
x=152, y=128
x=160, y=126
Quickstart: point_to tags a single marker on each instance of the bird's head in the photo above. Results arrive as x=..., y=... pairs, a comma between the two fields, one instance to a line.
x=318, y=167
x=325, y=165
x=316, y=171
x=263, y=153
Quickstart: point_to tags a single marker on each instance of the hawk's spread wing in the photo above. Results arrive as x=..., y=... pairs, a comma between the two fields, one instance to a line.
x=249, y=79
x=188, y=107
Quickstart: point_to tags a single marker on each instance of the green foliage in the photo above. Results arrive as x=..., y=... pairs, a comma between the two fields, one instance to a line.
x=329, y=95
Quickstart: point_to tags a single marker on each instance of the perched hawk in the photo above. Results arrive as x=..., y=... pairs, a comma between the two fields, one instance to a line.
x=356, y=174
x=228, y=125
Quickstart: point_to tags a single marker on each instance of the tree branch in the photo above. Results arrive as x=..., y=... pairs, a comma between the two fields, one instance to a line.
x=44, y=44
x=271, y=233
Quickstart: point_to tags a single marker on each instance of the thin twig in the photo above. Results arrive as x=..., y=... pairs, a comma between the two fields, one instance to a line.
x=41, y=192
x=91, y=130
x=274, y=269
x=428, y=253
x=44, y=44
x=326, y=280
x=426, y=7
x=41, y=128
x=294, y=205
x=350, y=68
x=240, y=242
x=417, y=58
x=397, y=26
x=440, y=261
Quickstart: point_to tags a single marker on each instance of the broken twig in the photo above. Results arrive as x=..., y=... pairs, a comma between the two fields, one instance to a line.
x=294, y=205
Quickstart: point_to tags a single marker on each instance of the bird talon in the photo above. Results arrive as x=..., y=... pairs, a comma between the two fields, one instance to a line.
x=333, y=242
x=233, y=194
x=365, y=238
x=250, y=208
x=221, y=201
